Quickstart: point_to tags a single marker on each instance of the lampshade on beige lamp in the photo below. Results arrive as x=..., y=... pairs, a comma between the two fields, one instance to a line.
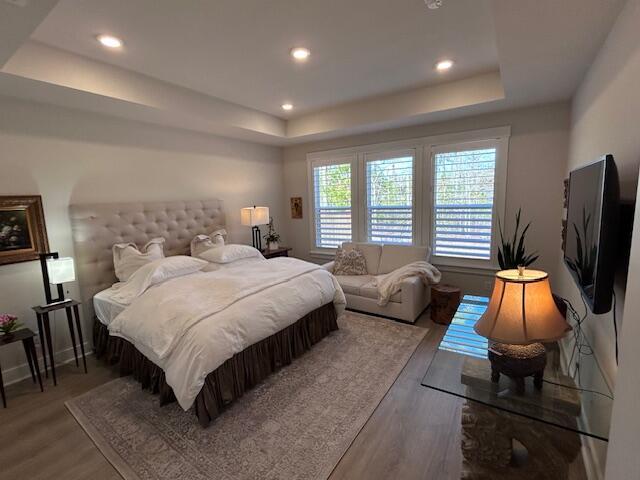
x=521, y=316
x=252, y=217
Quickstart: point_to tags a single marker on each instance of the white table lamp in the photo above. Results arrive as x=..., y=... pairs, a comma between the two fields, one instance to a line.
x=252, y=217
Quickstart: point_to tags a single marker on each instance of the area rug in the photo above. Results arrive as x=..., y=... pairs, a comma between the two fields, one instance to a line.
x=296, y=424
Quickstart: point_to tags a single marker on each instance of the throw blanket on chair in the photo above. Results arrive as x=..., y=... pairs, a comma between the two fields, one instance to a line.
x=390, y=284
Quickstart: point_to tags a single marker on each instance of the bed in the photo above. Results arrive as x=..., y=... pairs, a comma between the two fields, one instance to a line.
x=234, y=344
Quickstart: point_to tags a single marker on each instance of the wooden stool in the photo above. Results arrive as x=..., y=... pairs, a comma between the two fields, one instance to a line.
x=444, y=303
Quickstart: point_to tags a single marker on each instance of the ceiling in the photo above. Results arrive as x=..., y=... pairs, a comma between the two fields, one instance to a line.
x=223, y=66
x=239, y=50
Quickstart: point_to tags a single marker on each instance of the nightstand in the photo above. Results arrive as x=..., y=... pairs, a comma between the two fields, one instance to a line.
x=42, y=312
x=26, y=336
x=278, y=252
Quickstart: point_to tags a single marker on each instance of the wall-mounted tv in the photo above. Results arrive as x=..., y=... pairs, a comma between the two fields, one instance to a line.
x=592, y=231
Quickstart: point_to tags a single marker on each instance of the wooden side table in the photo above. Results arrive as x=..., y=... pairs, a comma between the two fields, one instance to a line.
x=444, y=303
x=26, y=336
x=42, y=312
x=278, y=252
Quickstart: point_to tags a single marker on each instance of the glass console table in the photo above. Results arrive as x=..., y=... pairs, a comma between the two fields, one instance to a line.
x=547, y=419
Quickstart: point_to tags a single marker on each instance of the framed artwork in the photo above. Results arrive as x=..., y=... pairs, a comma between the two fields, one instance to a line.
x=296, y=207
x=23, y=234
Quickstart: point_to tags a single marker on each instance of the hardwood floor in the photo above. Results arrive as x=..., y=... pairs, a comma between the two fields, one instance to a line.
x=413, y=434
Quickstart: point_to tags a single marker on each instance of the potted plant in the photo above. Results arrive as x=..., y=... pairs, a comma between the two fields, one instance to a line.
x=8, y=324
x=272, y=238
x=512, y=254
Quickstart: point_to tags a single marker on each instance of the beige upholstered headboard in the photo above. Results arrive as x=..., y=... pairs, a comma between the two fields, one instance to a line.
x=97, y=227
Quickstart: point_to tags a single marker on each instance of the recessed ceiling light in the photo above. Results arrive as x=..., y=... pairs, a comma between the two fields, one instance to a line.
x=300, y=53
x=110, y=41
x=287, y=106
x=444, y=65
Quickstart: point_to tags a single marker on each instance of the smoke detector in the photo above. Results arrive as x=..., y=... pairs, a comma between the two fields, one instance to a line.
x=433, y=4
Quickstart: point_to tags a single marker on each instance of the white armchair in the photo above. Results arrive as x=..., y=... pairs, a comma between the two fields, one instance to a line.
x=362, y=294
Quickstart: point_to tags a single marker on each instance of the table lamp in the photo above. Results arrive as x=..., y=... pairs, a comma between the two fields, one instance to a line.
x=252, y=217
x=521, y=315
x=56, y=271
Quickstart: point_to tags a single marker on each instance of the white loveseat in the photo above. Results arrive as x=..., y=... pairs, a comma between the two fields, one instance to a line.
x=362, y=294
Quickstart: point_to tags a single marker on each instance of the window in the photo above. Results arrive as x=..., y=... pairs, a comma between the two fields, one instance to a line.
x=464, y=181
x=332, y=204
x=389, y=199
x=446, y=191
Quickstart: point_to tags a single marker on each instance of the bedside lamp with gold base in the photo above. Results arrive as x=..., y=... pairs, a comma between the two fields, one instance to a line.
x=521, y=316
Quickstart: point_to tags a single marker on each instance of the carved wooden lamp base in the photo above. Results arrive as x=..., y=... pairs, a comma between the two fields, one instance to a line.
x=518, y=362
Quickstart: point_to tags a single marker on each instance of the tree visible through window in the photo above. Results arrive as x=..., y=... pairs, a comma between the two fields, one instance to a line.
x=463, y=203
x=332, y=203
x=390, y=200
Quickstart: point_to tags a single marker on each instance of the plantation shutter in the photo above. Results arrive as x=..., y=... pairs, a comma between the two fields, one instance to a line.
x=389, y=199
x=332, y=204
x=463, y=183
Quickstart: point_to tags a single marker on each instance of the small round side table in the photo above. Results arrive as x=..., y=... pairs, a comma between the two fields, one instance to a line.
x=444, y=303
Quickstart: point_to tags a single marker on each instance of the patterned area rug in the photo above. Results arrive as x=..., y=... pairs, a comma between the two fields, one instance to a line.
x=296, y=424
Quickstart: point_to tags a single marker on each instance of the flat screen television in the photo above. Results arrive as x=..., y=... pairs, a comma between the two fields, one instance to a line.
x=592, y=231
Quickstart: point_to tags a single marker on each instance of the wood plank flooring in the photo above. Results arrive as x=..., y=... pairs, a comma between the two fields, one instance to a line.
x=413, y=434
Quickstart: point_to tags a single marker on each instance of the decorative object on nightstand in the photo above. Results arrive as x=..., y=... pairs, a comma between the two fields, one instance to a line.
x=26, y=337
x=272, y=237
x=444, y=303
x=8, y=324
x=44, y=328
x=252, y=217
x=521, y=315
x=278, y=252
x=56, y=271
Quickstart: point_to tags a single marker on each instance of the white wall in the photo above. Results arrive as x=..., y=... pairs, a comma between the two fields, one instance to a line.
x=537, y=162
x=605, y=119
x=73, y=157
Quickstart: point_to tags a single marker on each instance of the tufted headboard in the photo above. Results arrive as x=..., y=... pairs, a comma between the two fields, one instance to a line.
x=97, y=227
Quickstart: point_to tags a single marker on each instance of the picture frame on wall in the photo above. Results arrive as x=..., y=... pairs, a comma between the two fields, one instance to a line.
x=23, y=233
x=296, y=207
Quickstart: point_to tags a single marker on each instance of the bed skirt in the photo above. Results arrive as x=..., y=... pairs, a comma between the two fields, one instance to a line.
x=234, y=377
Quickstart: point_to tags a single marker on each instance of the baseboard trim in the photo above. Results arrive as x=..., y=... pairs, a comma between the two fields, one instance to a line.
x=20, y=372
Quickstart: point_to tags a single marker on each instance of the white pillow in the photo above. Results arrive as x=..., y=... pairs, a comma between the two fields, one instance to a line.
x=200, y=243
x=127, y=258
x=153, y=273
x=229, y=253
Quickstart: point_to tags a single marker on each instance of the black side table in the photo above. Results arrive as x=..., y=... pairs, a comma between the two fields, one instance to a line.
x=42, y=312
x=26, y=336
x=278, y=252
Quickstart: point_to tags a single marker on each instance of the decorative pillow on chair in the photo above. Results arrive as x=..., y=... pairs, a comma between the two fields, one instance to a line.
x=202, y=243
x=127, y=258
x=351, y=262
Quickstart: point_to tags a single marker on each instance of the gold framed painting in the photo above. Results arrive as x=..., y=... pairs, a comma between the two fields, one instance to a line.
x=296, y=207
x=23, y=234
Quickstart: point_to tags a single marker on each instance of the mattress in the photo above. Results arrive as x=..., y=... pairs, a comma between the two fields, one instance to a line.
x=105, y=307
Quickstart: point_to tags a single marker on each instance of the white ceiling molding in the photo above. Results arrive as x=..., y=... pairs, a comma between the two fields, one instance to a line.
x=162, y=102
x=414, y=106
x=373, y=70
x=17, y=23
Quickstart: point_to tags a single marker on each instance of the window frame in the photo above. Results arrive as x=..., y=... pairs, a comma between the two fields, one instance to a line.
x=422, y=187
x=363, y=200
x=321, y=161
x=499, y=197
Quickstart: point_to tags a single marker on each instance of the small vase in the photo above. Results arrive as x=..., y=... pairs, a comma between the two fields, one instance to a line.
x=272, y=245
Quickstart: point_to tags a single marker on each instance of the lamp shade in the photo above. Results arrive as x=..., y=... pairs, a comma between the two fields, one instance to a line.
x=60, y=270
x=252, y=216
x=521, y=310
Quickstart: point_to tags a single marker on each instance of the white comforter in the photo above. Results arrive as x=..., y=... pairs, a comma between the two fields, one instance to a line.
x=191, y=325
